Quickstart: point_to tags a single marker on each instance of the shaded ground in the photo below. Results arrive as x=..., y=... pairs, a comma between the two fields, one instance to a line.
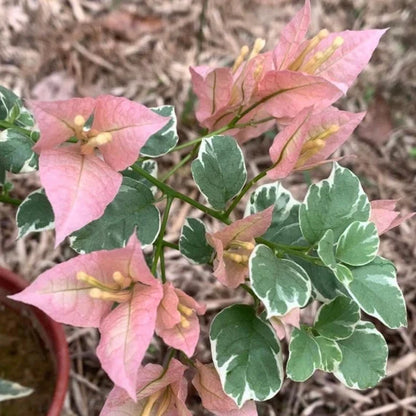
x=142, y=50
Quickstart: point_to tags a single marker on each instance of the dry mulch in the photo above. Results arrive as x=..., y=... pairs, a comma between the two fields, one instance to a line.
x=142, y=50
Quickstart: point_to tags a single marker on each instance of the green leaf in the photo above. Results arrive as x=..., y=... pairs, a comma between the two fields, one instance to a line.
x=219, y=170
x=285, y=227
x=337, y=319
x=333, y=204
x=324, y=283
x=246, y=354
x=326, y=250
x=16, y=153
x=281, y=284
x=10, y=390
x=358, y=244
x=166, y=138
x=331, y=354
x=132, y=208
x=12, y=109
x=304, y=355
x=149, y=166
x=192, y=242
x=35, y=214
x=2, y=175
x=343, y=274
x=364, y=357
x=376, y=291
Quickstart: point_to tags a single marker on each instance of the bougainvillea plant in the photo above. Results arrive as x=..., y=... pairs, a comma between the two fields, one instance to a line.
x=98, y=170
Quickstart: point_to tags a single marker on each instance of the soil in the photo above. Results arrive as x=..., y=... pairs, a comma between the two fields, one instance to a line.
x=25, y=359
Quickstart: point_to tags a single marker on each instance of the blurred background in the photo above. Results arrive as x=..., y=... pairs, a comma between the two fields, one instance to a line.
x=56, y=49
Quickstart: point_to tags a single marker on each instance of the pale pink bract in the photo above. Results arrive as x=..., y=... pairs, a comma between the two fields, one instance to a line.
x=208, y=384
x=82, y=292
x=79, y=182
x=234, y=244
x=157, y=390
x=309, y=139
x=276, y=86
x=280, y=323
x=385, y=217
x=177, y=322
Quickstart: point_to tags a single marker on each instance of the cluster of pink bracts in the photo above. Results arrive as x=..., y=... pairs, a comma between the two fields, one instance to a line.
x=294, y=85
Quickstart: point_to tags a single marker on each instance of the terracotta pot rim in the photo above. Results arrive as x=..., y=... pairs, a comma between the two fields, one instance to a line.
x=54, y=331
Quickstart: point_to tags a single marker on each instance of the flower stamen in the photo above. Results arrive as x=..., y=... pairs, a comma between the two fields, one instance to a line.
x=79, y=122
x=185, y=312
x=241, y=244
x=320, y=57
x=150, y=403
x=117, y=292
x=257, y=47
x=92, y=281
x=259, y=44
x=119, y=297
x=96, y=141
x=237, y=258
x=122, y=281
x=315, y=144
x=296, y=64
x=163, y=406
x=240, y=59
x=185, y=322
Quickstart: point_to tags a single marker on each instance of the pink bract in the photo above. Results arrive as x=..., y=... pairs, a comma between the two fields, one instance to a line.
x=235, y=242
x=290, y=92
x=278, y=85
x=126, y=330
x=156, y=388
x=280, y=323
x=80, y=182
x=310, y=139
x=384, y=216
x=79, y=187
x=55, y=119
x=177, y=322
x=207, y=383
x=292, y=36
x=223, y=92
x=341, y=67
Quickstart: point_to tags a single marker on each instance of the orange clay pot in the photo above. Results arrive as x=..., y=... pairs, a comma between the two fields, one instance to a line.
x=50, y=333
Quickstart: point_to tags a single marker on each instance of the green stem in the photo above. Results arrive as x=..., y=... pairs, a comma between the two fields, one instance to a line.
x=159, y=241
x=283, y=247
x=162, y=264
x=8, y=200
x=187, y=144
x=297, y=251
x=199, y=139
x=252, y=123
x=246, y=188
x=307, y=257
x=170, y=245
x=168, y=359
x=250, y=291
x=183, y=162
x=175, y=194
x=187, y=360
